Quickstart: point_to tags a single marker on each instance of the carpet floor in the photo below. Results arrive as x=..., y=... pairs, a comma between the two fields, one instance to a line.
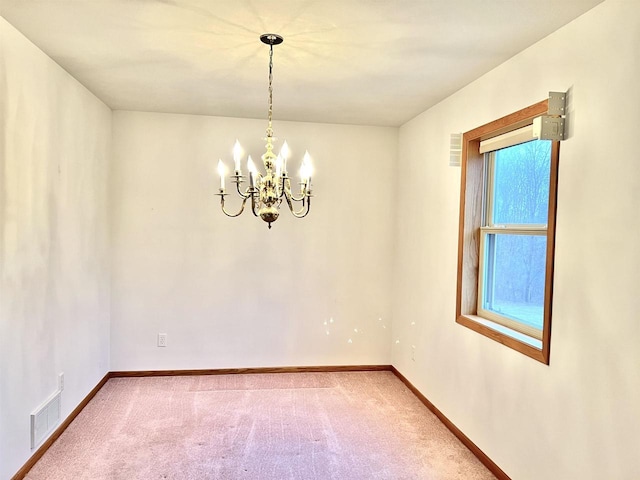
x=315, y=426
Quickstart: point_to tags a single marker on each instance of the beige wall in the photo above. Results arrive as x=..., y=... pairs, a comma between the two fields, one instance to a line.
x=231, y=292
x=54, y=255
x=577, y=418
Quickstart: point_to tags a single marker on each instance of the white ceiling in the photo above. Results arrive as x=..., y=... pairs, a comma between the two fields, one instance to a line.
x=368, y=62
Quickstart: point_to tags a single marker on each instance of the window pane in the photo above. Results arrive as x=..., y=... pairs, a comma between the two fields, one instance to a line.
x=521, y=183
x=514, y=277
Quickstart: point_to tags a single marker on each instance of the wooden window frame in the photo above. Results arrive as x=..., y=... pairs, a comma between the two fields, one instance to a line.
x=471, y=210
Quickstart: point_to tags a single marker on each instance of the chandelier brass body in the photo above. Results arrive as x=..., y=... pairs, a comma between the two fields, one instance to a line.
x=266, y=192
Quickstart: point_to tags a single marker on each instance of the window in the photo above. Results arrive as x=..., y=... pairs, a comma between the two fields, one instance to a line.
x=507, y=231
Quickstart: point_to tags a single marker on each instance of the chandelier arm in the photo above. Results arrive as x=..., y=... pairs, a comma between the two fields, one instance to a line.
x=291, y=195
x=302, y=212
x=253, y=203
x=243, y=195
x=282, y=188
x=298, y=199
x=244, y=201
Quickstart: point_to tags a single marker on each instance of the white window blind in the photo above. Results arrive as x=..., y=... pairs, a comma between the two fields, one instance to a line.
x=508, y=139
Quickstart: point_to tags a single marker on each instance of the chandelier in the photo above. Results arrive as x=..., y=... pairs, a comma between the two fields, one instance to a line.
x=267, y=191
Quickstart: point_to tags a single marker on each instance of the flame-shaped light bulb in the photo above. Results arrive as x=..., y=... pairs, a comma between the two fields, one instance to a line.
x=221, y=171
x=306, y=170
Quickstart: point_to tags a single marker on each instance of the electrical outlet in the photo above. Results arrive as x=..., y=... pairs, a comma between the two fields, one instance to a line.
x=162, y=339
x=61, y=381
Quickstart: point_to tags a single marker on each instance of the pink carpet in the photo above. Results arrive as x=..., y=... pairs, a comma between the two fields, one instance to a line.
x=321, y=426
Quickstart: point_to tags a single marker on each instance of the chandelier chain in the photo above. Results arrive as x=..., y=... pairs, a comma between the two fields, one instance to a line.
x=269, y=128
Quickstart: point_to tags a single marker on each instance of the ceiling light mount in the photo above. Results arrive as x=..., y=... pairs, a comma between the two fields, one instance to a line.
x=271, y=38
x=267, y=191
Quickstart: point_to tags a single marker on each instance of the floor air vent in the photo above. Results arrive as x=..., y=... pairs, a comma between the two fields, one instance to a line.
x=44, y=418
